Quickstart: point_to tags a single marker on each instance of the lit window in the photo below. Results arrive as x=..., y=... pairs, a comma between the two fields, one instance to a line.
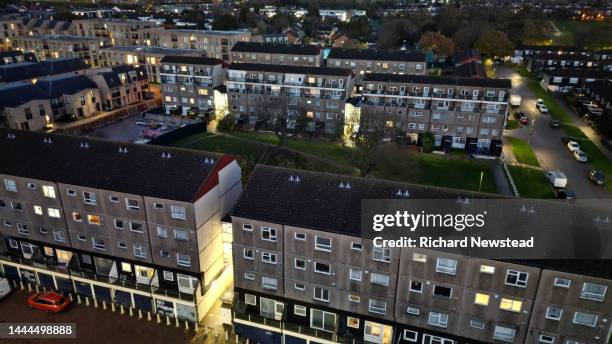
x=38, y=210
x=94, y=219
x=48, y=191
x=76, y=217
x=354, y=298
x=486, y=269
x=481, y=299
x=510, y=305
x=351, y=322
x=52, y=212
x=446, y=266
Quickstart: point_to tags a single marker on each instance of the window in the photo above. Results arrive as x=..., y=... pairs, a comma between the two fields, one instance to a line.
x=355, y=274
x=248, y=253
x=48, y=191
x=321, y=294
x=591, y=291
x=183, y=260
x=250, y=299
x=322, y=244
x=81, y=237
x=299, y=310
x=10, y=185
x=136, y=227
x=421, y=258
x=486, y=269
x=98, y=244
x=562, y=282
x=413, y=311
x=13, y=243
x=168, y=275
x=43, y=230
x=181, y=235
x=446, y=266
x=162, y=232
x=322, y=320
x=94, y=220
x=299, y=236
x=352, y=322
x=381, y=254
x=23, y=229
x=438, y=319
x=504, y=334
x=322, y=268
x=247, y=227
x=158, y=206
x=177, y=212
x=269, y=258
x=478, y=324
x=249, y=276
x=352, y=297
x=379, y=279
x=132, y=204
x=70, y=192
x=164, y=253
x=585, y=319
x=300, y=264
x=299, y=286
x=516, y=278
x=510, y=305
x=122, y=244
x=547, y=339
x=356, y=246
x=416, y=286
x=89, y=198
x=140, y=251
x=16, y=206
x=269, y=283
x=481, y=299
x=268, y=234
x=441, y=291
x=114, y=199
x=377, y=306
x=76, y=217
x=38, y=210
x=554, y=313
x=410, y=336
x=59, y=236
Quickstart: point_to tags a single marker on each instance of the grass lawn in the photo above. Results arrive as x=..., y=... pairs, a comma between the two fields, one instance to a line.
x=523, y=152
x=530, y=182
x=554, y=109
x=569, y=29
x=573, y=131
x=512, y=124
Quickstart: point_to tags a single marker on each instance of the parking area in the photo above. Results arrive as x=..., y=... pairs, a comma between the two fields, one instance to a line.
x=93, y=325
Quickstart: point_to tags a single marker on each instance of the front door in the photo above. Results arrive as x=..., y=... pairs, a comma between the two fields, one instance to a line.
x=377, y=333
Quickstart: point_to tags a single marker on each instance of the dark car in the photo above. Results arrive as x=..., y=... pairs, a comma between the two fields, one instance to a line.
x=566, y=194
x=51, y=302
x=597, y=177
x=519, y=115
x=555, y=124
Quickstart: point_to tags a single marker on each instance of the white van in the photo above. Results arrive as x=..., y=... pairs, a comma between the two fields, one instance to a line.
x=5, y=287
x=557, y=178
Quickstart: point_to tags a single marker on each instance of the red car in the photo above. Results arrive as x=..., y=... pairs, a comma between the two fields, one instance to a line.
x=524, y=120
x=51, y=302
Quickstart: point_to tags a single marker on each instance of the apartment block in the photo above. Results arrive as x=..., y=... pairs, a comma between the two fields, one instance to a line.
x=16, y=56
x=267, y=92
x=272, y=53
x=462, y=113
x=54, y=46
x=365, y=61
x=304, y=273
x=117, y=31
x=146, y=56
x=105, y=225
x=191, y=83
x=564, y=80
x=120, y=85
x=212, y=43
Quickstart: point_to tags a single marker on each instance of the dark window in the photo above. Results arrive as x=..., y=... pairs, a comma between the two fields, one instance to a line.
x=442, y=291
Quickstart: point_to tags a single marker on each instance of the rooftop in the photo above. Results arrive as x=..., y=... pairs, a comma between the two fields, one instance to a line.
x=153, y=50
x=191, y=60
x=277, y=48
x=290, y=69
x=376, y=54
x=147, y=170
x=439, y=80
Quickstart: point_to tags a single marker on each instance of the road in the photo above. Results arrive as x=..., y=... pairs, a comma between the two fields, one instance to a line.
x=546, y=141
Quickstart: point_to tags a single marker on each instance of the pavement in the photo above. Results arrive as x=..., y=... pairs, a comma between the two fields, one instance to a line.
x=546, y=141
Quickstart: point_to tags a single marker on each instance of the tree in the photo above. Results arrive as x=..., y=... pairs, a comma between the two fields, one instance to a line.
x=437, y=43
x=393, y=32
x=494, y=44
x=358, y=28
x=280, y=22
x=367, y=151
x=465, y=37
x=352, y=44
x=225, y=22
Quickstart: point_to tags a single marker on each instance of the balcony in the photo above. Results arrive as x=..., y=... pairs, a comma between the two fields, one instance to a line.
x=396, y=104
x=288, y=83
x=254, y=80
x=371, y=103
x=236, y=79
x=441, y=95
x=396, y=93
x=468, y=97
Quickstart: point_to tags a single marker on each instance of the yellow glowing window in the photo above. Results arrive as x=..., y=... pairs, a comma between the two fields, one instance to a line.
x=385, y=65
x=485, y=269
x=312, y=81
x=38, y=210
x=203, y=92
x=309, y=114
x=183, y=68
x=168, y=98
x=94, y=219
x=48, y=191
x=481, y=299
x=352, y=322
x=510, y=305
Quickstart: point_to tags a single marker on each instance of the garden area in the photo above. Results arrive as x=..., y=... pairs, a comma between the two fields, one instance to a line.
x=523, y=152
x=531, y=182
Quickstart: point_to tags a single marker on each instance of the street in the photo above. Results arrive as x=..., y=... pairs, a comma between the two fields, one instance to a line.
x=546, y=141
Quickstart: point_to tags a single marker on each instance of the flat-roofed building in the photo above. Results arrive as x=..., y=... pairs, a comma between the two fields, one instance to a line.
x=213, y=43
x=306, y=55
x=54, y=46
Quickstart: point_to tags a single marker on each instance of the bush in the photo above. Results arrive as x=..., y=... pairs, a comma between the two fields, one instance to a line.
x=428, y=143
x=227, y=123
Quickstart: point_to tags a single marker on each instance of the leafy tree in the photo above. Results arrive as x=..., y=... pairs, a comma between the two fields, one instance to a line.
x=358, y=27
x=225, y=22
x=465, y=37
x=280, y=22
x=227, y=123
x=494, y=44
x=437, y=43
x=367, y=151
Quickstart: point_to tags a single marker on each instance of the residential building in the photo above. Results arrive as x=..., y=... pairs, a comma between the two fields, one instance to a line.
x=468, y=64
x=305, y=272
x=117, y=31
x=11, y=27
x=120, y=85
x=54, y=46
x=546, y=62
x=192, y=83
x=107, y=226
x=287, y=36
x=563, y=80
x=462, y=113
x=146, y=56
x=16, y=56
x=278, y=54
x=268, y=92
x=601, y=91
x=215, y=44
x=341, y=15
x=365, y=61
x=31, y=71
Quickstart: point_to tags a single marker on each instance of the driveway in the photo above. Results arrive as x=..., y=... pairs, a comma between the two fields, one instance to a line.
x=546, y=142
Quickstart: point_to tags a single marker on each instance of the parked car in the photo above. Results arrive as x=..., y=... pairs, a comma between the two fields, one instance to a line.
x=566, y=194
x=580, y=156
x=539, y=102
x=5, y=287
x=524, y=120
x=573, y=146
x=555, y=124
x=543, y=108
x=519, y=115
x=597, y=177
x=557, y=178
x=51, y=302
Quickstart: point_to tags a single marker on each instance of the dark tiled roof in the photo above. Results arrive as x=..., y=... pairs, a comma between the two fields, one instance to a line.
x=436, y=80
x=14, y=95
x=602, y=88
x=21, y=71
x=277, y=48
x=467, y=54
x=112, y=80
x=290, y=69
x=140, y=171
x=376, y=54
x=191, y=60
x=563, y=57
x=64, y=65
x=55, y=87
x=470, y=70
x=141, y=72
